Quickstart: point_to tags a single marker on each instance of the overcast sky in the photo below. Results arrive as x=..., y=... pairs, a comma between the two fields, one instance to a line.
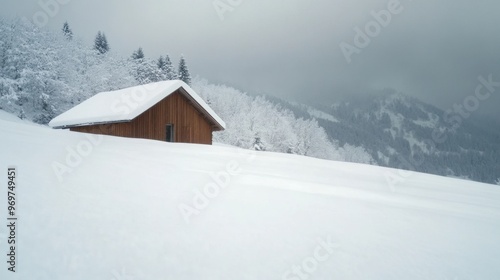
x=434, y=50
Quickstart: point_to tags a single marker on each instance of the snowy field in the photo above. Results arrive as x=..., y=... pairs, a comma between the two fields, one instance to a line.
x=109, y=208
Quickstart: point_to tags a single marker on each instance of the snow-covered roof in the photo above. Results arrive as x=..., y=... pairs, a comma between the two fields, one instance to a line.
x=126, y=104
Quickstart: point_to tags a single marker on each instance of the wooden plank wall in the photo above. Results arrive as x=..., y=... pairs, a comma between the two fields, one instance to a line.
x=190, y=125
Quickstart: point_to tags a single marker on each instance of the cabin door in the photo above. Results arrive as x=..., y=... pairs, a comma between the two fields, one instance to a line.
x=169, y=133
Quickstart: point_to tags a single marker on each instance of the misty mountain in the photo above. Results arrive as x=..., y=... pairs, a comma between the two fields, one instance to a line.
x=403, y=132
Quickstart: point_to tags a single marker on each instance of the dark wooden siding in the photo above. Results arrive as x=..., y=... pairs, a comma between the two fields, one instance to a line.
x=190, y=125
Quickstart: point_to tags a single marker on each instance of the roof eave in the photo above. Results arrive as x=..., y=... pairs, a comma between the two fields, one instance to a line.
x=89, y=124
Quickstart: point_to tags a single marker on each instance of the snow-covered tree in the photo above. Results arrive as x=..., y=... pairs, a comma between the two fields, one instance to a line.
x=68, y=33
x=138, y=54
x=101, y=43
x=352, y=153
x=166, y=68
x=46, y=74
x=312, y=140
x=169, y=71
x=145, y=70
x=184, y=71
x=256, y=123
x=161, y=63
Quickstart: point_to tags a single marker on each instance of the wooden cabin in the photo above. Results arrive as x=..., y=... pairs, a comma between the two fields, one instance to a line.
x=166, y=111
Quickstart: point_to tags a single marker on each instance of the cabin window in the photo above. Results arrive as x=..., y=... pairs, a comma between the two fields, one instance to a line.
x=170, y=137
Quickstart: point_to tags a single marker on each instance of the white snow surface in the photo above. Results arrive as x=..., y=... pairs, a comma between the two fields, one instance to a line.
x=116, y=214
x=126, y=104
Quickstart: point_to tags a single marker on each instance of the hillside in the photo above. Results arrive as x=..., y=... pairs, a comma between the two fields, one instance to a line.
x=119, y=209
x=399, y=131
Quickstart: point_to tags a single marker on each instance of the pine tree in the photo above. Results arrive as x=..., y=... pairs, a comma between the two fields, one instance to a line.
x=68, y=33
x=161, y=63
x=184, y=72
x=101, y=43
x=166, y=68
x=162, y=68
x=169, y=69
x=138, y=54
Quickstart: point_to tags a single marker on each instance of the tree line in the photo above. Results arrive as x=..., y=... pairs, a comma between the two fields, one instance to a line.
x=146, y=70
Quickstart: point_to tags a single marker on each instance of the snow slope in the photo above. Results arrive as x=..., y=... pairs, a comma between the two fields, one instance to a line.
x=117, y=214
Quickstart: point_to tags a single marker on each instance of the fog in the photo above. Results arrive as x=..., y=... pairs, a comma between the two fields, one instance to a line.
x=432, y=50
